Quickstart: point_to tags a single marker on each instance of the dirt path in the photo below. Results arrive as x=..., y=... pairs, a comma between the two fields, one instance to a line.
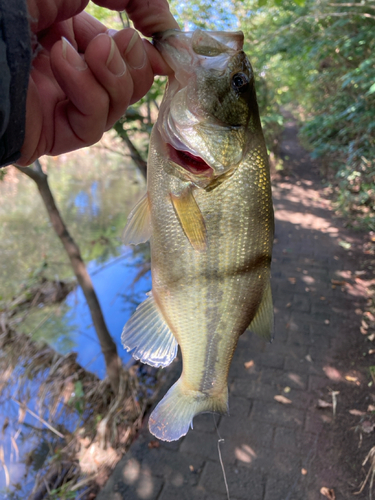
x=276, y=451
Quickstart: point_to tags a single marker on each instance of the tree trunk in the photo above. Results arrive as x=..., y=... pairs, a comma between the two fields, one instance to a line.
x=107, y=345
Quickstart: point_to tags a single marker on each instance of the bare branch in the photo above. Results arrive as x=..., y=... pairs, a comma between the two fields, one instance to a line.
x=111, y=150
x=30, y=172
x=135, y=154
x=38, y=166
x=350, y=5
x=341, y=14
x=39, y=418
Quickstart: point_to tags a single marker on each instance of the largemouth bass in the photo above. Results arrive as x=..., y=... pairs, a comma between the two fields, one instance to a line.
x=208, y=214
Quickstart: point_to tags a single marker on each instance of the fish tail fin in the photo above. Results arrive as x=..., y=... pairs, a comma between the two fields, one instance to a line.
x=173, y=416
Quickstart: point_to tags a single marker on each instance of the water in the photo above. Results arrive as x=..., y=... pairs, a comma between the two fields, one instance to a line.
x=94, y=192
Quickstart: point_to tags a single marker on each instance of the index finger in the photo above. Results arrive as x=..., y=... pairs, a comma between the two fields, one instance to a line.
x=148, y=17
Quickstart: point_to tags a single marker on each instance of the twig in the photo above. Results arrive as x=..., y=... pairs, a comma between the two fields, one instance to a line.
x=39, y=418
x=219, y=441
x=111, y=150
x=350, y=5
x=82, y=482
x=41, y=322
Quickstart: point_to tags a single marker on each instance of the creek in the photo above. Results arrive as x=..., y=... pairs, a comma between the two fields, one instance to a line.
x=95, y=192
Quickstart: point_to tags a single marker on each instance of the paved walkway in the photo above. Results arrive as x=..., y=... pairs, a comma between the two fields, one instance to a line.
x=271, y=449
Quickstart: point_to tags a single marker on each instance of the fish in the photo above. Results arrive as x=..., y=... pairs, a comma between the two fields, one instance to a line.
x=209, y=217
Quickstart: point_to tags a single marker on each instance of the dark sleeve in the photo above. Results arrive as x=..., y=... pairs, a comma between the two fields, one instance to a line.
x=15, y=60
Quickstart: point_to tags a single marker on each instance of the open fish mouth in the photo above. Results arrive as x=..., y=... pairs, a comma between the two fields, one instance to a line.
x=193, y=164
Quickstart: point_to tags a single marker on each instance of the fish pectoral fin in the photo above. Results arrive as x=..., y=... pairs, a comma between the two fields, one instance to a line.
x=150, y=336
x=138, y=227
x=191, y=218
x=173, y=416
x=263, y=324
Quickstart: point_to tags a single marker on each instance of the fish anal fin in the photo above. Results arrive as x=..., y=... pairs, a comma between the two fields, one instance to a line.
x=138, y=226
x=173, y=416
x=149, y=336
x=263, y=323
x=191, y=218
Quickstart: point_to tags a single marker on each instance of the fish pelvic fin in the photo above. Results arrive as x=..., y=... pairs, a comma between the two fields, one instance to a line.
x=191, y=219
x=149, y=335
x=173, y=416
x=263, y=322
x=138, y=226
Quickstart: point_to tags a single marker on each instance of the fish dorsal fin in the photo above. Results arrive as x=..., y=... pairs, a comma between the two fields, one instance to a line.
x=262, y=323
x=191, y=219
x=138, y=227
x=150, y=336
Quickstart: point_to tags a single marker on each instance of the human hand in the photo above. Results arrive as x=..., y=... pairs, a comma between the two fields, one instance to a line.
x=71, y=99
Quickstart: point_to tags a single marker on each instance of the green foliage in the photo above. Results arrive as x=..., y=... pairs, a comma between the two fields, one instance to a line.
x=321, y=57
x=78, y=398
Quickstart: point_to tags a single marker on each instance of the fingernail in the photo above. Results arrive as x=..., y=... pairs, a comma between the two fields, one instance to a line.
x=111, y=32
x=115, y=62
x=135, y=53
x=71, y=55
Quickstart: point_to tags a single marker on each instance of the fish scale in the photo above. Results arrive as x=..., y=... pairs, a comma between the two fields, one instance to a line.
x=211, y=231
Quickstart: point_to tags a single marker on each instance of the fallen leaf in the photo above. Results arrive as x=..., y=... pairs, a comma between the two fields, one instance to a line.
x=351, y=379
x=191, y=467
x=249, y=364
x=326, y=321
x=369, y=315
x=338, y=282
x=292, y=280
x=358, y=413
x=334, y=395
x=371, y=408
x=308, y=358
x=323, y=404
x=287, y=389
x=367, y=426
x=371, y=337
x=303, y=472
x=371, y=351
x=283, y=400
x=154, y=444
x=328, y=493
x=359, y=273
x=289, y=304
x=345, y=244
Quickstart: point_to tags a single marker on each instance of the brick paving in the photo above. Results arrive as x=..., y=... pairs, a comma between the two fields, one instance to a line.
x=270, y=449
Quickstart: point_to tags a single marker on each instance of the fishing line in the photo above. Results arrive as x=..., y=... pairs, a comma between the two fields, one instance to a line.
x=219, y=441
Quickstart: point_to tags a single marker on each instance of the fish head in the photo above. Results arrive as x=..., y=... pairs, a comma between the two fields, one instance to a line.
x=209, y=107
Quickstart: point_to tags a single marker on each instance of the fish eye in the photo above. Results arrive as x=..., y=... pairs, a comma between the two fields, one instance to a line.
x=240, y=82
